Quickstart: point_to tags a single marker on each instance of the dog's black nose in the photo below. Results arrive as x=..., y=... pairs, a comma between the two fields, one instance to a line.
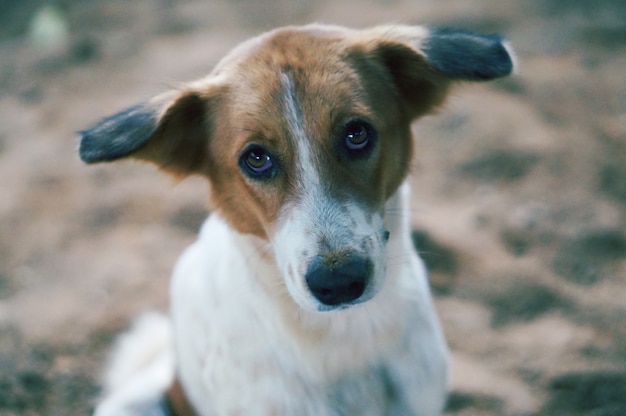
x=337, y=283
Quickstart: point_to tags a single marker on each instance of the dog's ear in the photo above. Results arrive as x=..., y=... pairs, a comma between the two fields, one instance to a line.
x=424, y=62
x=172, y=131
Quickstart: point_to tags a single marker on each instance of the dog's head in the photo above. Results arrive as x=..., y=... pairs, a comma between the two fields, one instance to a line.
x=304, y=134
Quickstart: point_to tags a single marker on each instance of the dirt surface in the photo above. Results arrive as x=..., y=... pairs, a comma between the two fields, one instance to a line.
x=519, y=195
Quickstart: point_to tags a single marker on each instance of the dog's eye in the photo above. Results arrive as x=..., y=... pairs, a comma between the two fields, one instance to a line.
x=257, y=162
x=358, y=136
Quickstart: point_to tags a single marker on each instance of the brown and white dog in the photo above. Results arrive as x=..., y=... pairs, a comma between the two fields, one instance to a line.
x=303, y=294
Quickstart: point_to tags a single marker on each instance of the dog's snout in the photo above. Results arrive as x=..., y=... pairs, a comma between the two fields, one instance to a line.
x=337, y=283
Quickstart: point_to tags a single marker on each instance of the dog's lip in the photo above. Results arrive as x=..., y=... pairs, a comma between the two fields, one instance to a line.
x=347, y=305
x=330, y=308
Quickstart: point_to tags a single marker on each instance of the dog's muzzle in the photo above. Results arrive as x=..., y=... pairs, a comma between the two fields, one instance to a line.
x=338, y=283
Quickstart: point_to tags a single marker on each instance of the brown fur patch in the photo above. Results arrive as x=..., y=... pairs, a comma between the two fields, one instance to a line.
x=337, y=76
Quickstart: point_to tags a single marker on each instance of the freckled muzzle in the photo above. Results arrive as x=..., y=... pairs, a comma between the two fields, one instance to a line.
x=337, y=284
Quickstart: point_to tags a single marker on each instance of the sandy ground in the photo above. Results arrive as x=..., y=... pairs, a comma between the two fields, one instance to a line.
x=519, y=196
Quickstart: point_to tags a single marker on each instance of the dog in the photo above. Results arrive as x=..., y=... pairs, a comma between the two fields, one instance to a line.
x=303, y=294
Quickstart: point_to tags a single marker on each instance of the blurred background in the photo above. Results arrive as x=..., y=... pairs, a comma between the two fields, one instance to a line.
x=519, y=191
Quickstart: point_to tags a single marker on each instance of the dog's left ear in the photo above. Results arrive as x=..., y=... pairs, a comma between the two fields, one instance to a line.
x=172, y=131
x=424, y=62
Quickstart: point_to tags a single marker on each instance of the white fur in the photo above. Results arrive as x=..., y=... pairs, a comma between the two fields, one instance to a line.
x=142, y=368
x=243, y=346
x=241, y=343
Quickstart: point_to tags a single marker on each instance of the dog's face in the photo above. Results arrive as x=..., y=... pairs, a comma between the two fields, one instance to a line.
x=304, y=133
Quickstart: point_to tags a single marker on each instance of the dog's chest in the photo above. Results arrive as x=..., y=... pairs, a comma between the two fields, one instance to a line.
x=245, y=371
x=261, y=381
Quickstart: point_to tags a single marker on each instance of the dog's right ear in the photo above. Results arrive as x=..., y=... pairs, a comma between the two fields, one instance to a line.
x=172, y=131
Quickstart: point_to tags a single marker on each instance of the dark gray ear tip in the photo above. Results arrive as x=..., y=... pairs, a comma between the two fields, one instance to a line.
x=500, y=61
x=469, y=56
x=88, y=149
x=117, y=136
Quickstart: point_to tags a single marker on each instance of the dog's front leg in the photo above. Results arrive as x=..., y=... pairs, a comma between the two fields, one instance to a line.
x=418, y=375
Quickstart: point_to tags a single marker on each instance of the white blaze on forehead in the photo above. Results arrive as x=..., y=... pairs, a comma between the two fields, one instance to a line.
x=305, y=167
